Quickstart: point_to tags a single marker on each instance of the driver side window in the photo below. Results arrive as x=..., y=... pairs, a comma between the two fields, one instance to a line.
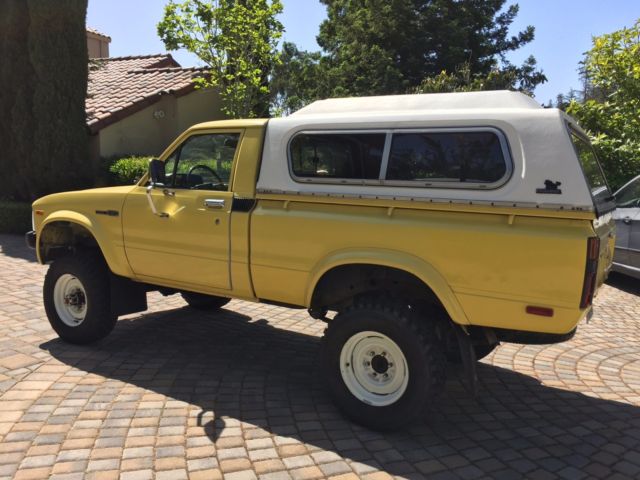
x=203, y=162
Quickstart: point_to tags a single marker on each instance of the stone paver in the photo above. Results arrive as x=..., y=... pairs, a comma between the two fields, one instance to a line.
x=174, y=393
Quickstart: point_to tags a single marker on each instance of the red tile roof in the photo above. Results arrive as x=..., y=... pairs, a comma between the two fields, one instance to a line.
x=121, y=86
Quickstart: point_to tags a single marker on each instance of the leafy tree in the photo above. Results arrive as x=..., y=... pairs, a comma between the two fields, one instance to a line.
x=610, y=111
x=236, y=39
x=564, y=100
x=44, y=78
x=295, y=79
x=392, y=46
x=511, y=77
x=367, y=46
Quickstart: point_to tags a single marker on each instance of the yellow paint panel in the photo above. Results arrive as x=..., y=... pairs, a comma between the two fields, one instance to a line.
x=280, y=285
x=502, y=257
x=509, y=314
x=80, y=208
x=190, y=245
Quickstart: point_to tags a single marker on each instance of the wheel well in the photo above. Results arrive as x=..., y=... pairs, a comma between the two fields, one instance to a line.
x=61, y=238
x=341, y=284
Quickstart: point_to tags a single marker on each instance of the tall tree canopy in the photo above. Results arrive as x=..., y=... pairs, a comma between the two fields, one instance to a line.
x=43, y=74
x=509, y=77
x=611, y=106
x=236, y=39
x=294, y=79
x=373, y=47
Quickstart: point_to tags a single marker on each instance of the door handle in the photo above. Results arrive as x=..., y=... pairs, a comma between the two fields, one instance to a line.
x=214, y=203
x=627, y=220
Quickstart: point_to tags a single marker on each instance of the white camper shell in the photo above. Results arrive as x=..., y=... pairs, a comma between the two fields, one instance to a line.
x=542, y=168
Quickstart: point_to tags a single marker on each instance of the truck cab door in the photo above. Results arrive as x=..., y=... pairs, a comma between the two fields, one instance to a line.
x=623, y=229
x=634, y=238
x=627, y=217
x=179, y=234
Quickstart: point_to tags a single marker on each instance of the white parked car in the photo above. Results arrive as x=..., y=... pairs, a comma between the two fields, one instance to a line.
x=627, y=216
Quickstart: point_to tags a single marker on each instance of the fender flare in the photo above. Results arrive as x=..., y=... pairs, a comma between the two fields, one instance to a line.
x=115, y=260
x=394, y=259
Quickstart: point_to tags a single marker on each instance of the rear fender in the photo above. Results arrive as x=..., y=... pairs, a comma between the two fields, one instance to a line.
x=394, y=259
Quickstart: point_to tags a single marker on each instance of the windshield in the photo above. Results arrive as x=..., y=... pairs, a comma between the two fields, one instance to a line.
x=602, y=197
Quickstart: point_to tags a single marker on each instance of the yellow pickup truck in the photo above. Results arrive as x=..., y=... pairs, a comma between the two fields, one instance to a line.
x=431, y=226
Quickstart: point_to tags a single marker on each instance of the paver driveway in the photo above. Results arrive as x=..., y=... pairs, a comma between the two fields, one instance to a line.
x=177, y=394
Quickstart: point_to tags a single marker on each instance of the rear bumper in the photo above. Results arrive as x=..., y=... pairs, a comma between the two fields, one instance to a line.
x=30, y=239
x=533, y=338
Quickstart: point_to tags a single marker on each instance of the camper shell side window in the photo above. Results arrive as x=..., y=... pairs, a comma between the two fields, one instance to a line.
x=470, y=157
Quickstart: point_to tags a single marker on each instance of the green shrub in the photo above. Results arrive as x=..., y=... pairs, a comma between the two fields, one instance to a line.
x=125, y=171
x=15, y=217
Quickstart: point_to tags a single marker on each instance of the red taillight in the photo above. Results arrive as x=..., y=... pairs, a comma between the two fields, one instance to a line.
x=541, y=311
x=591, y=272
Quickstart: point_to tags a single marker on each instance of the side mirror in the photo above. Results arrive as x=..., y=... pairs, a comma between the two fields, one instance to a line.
x=156, y=173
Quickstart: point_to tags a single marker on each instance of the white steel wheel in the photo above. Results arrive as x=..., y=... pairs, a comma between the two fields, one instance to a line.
x=70, y=300
x=373, y=368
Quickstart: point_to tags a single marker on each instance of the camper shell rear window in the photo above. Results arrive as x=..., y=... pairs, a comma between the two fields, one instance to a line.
x=603, y=199
x=472, y=157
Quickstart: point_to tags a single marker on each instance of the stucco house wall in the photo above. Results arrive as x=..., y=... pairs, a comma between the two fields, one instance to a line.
x=138, y=104
x=151, y=130
x=97, y=44
x=198, y=106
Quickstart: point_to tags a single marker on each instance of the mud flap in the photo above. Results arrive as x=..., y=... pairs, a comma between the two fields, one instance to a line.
x=127, y=296
x=469, y=361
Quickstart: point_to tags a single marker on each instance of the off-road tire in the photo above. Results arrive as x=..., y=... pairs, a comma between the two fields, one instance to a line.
x=416, y=339
x=481, y=351
x=484, y=350
x=199, y=301
x=91, y=270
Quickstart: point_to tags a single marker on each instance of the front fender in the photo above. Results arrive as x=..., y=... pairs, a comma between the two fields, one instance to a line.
x=394, y=259
x=108, y=239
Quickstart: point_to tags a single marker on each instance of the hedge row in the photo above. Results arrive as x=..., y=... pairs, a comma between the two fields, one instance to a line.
x=127, y=170
x=15, y=217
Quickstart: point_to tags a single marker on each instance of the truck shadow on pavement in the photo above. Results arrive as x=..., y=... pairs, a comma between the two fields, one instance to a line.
x=14, y=246
x=625, y=283
x=245, y=373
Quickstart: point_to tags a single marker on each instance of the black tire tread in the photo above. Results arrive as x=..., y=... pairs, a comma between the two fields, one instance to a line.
x=95, y=279
x=481, y=351
x=422, y=329
x=484, y=350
